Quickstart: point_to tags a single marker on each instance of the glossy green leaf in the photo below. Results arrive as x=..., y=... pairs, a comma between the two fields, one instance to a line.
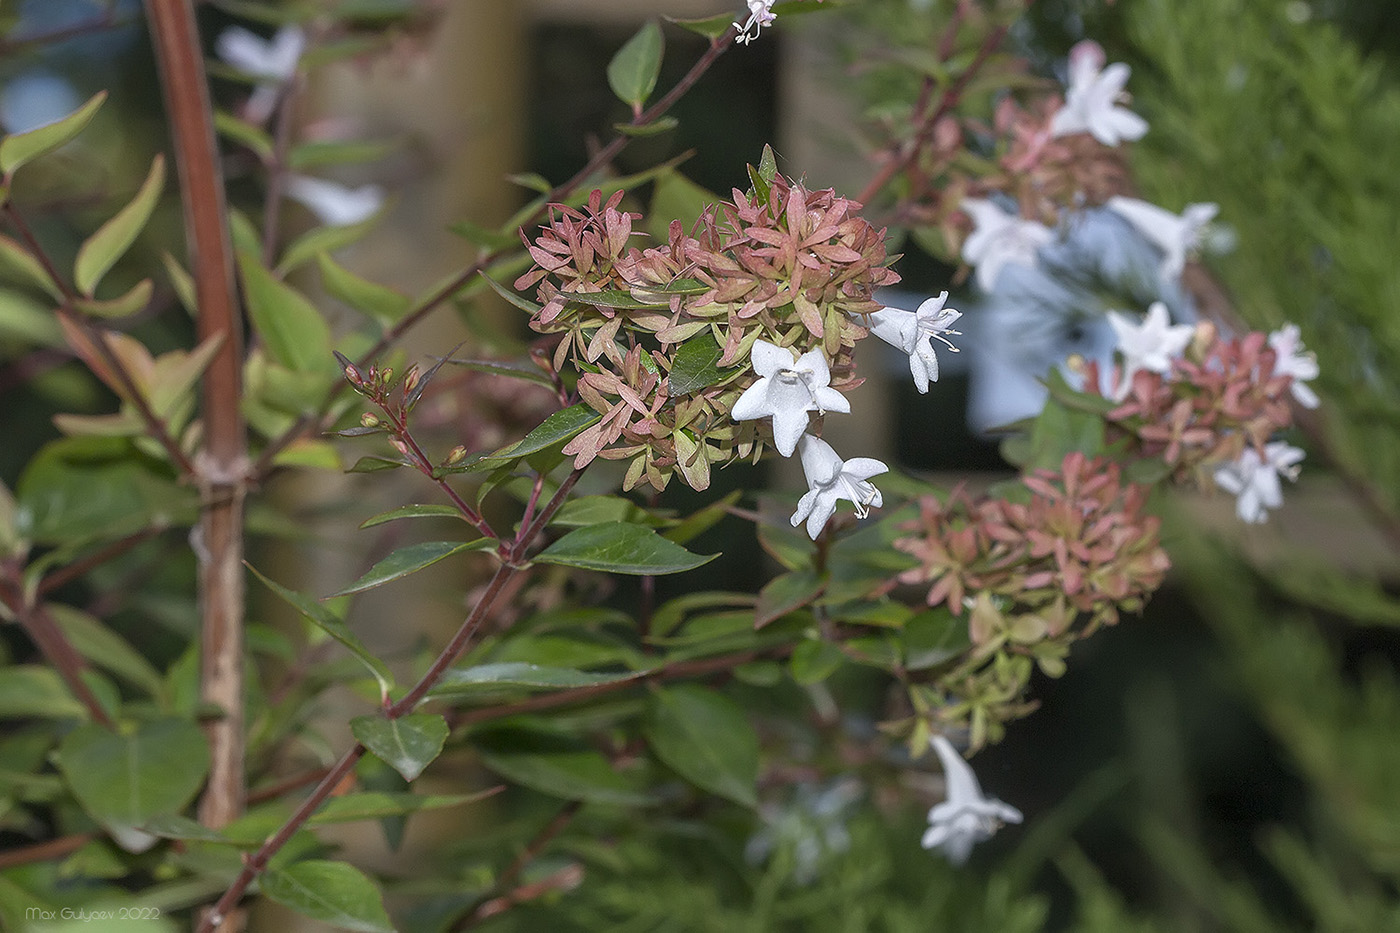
x=293, y=331
x=333, y=892
x=695, y=365
x=813, y=661
x=29, y=690
x=785, y=593
x=101, y=251
x=706, y=738
x=633, y=70
x=619, y=547
x=19, y=264
x=556, y=429
x=486, y=678
x=711, y=27
x=369, y=298
x=125, y=778
x=332, y=625
x=654, y=128
x=522, y=371
x=933, y=637
x=376, y=805
x=320, y=240
x=135, y=300
x=593, y=510
x=558, y=767
x=412, y=511
x=20, y=148
x=376, y=464
x=619, y=299
x=407, y=744
x=106, y=649
x=412, y=558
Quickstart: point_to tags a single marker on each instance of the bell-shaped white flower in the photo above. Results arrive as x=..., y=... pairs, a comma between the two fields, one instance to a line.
x=335, y=204
x=273, y=60
x=831, y=479
x=1296, y=361
x=1092, y=99
x=914, y=333
x=1175, y=234
x=1254, y=479
x=787, y=390
x=965, y=817
x=999, y=239
x=760, y=14
x=1149, y=344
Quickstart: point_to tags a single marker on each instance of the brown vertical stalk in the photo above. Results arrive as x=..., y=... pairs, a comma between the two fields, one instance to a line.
x=222, y=463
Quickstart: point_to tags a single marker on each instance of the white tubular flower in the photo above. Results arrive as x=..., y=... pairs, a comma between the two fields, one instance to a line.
x=965, y=817
x=787, y=390
x=1296, y=361
x=1148, y=345
x=760, y=14
x=998, y=239
x=1092, y=98
x=914, y=333
x=1255, y=479
x=830, y=479
x=335, y=204
x=274, y=60
x=1176, y=235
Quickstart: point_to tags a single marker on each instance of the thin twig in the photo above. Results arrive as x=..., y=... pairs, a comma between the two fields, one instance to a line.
x=505, y=884
x=44, y=851
x=65, y=575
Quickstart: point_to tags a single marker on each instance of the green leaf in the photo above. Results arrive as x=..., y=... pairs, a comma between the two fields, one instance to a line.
x=327, y=622
x=618, y=547
x=133, y=301
x=25, y=147
x=412, y=558
x=558, y=767
x=294, y=332
x=556, y=429
x=814, y=661
x=512, y=296
x=933, y=637
x=145, y=770
x=783, y=594
x=369, y=298
x=318, y=154
x=376, y=465
x=633, y=70
x=334, y=892
x=376, y=805
x=711, y=27
x=101, y=250
x=412, y=511
x=246, y=134
x=654, y=128
x=487, y=678
x=767, y=170
x=618, y=299
x=17, y=261
x=706, y=738
x=30, y=690
x=106, y=649
x=320, y=240
x=407, y=744
x=694, y=367
x=24, y=319
x=592, y=510
x=676, y=197
x=509, y=370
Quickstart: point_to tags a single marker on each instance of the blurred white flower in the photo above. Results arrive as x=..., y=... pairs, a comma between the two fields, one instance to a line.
x=1092, y=99
x=760, y=14
x=1255, y=479
x=1176, y=235
x=335, y=204
x=787, y=390
x=999, y=238
x=965, y=817
x=914, y=333
x=1296, y=361
x=830, y=479
x=811, y=826
x=273, y=60
x=1148, y=345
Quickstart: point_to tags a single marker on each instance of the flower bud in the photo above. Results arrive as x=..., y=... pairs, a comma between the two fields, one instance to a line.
x=457, y=454
x=369, y=420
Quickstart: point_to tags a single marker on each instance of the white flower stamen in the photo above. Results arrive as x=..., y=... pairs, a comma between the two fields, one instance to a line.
x=914, y=332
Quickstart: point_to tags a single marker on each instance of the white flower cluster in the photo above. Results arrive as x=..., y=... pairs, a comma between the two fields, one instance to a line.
x=789, y=387
x=1094, y=104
